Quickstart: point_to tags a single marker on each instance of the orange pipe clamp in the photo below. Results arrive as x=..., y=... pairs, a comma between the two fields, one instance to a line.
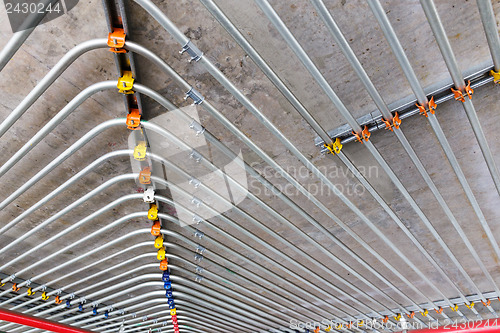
x=386, y=319
x=116, y=40
x=58, y=300
x=469, y=90
x=365, y=135
x=164, y=265
x=411, y=315
x=156, y=228
x=395, y=122
x=439, y=311
x=15, y=287
x=459, y=95
x=487, y=303
x=145, y=176
x=133, y=119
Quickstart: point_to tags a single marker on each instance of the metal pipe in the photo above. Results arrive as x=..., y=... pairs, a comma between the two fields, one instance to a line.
x=139, y=87
x=377, y=98
x=246, y=46
x=21, y=319
x=48, y=79
x=75, y=225
x=269, y=231
x=188, y=294
x=94, y=250
x=451, y=62
x=66, y=210
x=62, y=157
x=56, y=120
x=180, y=319
x=490, y=28
x=23, y=32
x=301, y=54
x=266, y=69
x=86, y=278
x=90, y=295
x=400, y=54
x=167, y=24
x=198, y=310
x=56, y=192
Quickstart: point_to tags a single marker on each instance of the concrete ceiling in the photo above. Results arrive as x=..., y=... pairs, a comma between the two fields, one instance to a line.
x=51, y=41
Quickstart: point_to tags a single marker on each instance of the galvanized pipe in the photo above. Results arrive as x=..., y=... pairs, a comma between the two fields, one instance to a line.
x=86, y=278
x=451, y=62
x=381, y=105
x=400, y=54
x=66, y=210
x=247, y=47
x=149, y=324
x=190, y=295
x=57, y=119
x=164, y=320
x=167, y=24
x=139, y=87
x=62, y=157
x=55, y=193
x=269, y=231
x=68, y=296
x=48, y=79
x=19, y=37
x=490, y=28
x=76, y=225
x=94, y=250
x=188, y=309
x=159, y=298
x=301, y=54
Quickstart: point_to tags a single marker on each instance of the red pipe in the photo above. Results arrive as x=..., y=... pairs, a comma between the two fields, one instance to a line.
x=19, y=318
x=483, y=326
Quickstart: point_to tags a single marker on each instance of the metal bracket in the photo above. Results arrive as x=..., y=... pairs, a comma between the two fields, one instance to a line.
x=59, y=291
x=145, y=176
x=195, y=182
x=116, y=40
x=197, y=127
x=133, y=119
x=198, y=278
x=28, y=282
x=12, y=277
x=192, y=50
x=195, y=155
x=149, y=195
x=197, y=202
x=200, y=249
x=195, y=95
x=83, y=300
x=198, y=257
x=199, y=269
x=198, y=234
x=126, y=83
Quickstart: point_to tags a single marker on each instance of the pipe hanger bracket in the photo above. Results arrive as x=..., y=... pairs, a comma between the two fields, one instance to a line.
x=133, y=119
x=126, y=83
x=334, y=147
x=116, y=40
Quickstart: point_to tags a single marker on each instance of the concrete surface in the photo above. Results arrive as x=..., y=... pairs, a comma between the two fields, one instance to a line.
x=51, y=41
